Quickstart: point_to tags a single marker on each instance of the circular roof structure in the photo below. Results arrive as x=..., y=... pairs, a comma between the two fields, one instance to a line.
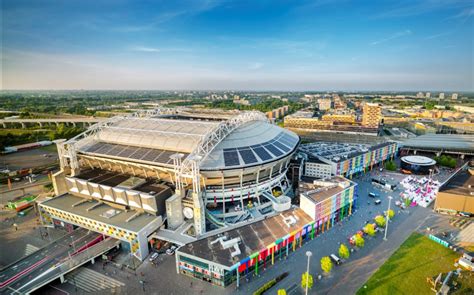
x=252, y=143
x=418, y=160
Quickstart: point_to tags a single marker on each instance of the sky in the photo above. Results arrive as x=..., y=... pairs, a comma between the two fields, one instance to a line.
x=238, y=45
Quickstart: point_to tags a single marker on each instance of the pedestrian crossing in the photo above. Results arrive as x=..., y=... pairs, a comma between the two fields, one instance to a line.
x=93, y=282
x=30, y=249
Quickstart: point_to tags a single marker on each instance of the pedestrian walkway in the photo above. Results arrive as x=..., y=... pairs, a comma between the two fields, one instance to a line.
x=93, y=282
x=30, y=249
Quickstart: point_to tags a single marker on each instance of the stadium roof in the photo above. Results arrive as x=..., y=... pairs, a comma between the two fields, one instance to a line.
x=156, y=133
x=252, y=143
x=443, y=142
x=153, y=137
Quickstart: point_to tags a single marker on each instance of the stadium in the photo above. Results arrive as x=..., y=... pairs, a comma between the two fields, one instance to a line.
x=186, y=171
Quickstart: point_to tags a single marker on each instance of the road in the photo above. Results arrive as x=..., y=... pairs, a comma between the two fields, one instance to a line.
x=21, y=272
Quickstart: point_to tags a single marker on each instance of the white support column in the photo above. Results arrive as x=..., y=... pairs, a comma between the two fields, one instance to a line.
x=223, y=197
x=257, y=186
x=241, y=195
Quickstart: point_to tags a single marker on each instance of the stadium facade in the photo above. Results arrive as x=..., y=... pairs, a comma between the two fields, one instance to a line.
x=171, y=168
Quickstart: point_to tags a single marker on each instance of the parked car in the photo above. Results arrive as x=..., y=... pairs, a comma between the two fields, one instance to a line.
x=378, y=202
x=153, y=256
x=335, y=259
x=171, y=250
x=373, y=195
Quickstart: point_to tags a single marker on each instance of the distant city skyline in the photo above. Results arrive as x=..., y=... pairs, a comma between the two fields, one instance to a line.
x=424, y=45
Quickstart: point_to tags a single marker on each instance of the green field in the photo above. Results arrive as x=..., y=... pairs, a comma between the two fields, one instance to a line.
x=405, y=272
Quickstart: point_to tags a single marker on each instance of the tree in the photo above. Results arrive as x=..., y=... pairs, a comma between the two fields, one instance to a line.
x=326, y=264
x=391, y=166
x=283, y=291
x=359, y=241
x=380, y=220
x=391, y=213
x=370, y=229
x=304, y=279
x=344, y=252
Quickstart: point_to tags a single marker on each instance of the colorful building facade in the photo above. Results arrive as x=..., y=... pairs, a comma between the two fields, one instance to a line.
x=200, y=261
x=362, y=162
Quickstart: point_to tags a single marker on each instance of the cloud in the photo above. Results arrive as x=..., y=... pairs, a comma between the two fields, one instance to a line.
x=464, y=14
x=256, y=66
x=145, y=49
x=436, y=36
x=392, y=37
x=406, y=8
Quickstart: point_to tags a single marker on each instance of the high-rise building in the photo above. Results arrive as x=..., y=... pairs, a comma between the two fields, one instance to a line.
x=324, y=104
x=419, y=95
x=441, y=95
x=428, y=94
x=372, y=114
x=454, y=96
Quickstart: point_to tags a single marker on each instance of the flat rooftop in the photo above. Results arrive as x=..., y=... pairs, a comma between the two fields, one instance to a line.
x=455, y=142
x=317, y=192
x=459, y=184
x=337, y=151
x=65, y=203
x=114, y=179
x=253, y=238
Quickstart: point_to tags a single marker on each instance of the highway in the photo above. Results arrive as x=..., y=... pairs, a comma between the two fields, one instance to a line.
x=29, y=268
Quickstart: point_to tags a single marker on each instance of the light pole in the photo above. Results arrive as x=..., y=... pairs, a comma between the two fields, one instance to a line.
x=73, y=245
x=309, y=254
x=386, y=218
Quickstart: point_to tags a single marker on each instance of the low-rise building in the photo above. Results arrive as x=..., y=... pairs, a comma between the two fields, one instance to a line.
x=230, y=256
x=457, y=194
x=346, y=159
x=327, y=201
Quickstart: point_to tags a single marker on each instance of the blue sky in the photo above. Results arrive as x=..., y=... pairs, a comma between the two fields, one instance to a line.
x=242, y=45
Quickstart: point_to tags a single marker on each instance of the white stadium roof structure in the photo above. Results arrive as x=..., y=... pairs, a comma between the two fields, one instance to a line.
x=149, y=137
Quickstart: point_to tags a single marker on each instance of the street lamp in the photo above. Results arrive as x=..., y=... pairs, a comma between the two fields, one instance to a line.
x=309, y=254
x=386, y=217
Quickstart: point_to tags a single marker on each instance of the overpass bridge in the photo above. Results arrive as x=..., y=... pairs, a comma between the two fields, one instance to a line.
x=74, y=121
x=54, y=261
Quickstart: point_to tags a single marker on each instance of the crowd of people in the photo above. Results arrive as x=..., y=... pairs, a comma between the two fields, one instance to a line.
x=420, y=191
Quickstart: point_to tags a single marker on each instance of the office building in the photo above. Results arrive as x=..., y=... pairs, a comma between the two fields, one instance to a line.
x=324, y=104
x=372, y=115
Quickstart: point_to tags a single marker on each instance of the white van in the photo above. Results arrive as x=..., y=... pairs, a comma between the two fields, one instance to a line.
x=336, y=259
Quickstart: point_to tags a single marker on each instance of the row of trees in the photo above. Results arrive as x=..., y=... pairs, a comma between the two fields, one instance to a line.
x=446, y=161
x=62, y=131
x=263, y=106
x=344, y=253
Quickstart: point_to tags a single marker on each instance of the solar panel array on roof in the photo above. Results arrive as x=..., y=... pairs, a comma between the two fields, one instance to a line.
x=273, y=150
x=262, y=153
x=247, y=155
x=275, y=147
x=231, y=158
x=131, y=152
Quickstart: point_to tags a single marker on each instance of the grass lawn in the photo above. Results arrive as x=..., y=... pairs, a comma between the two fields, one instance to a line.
x=405, y=272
